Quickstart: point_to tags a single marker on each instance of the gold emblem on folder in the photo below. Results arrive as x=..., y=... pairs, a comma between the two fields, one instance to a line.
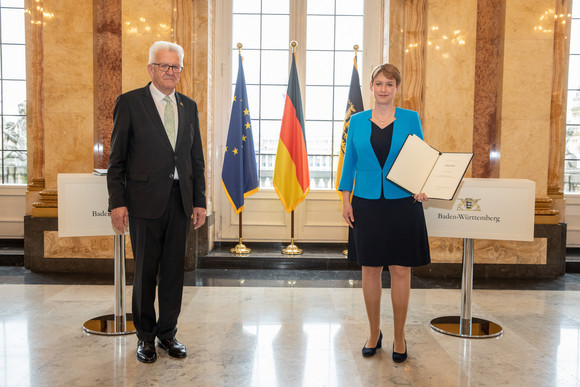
x=468, y=204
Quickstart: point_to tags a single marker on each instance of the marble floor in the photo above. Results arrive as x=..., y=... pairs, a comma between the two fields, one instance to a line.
x=273, y=328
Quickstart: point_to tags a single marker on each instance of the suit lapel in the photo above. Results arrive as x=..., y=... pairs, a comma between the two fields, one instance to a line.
x=151, y=109
x=181, y=119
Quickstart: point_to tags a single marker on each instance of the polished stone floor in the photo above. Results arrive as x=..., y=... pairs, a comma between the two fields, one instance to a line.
x=289, y=328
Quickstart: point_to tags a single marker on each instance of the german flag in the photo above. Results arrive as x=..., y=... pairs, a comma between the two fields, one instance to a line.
x=291, y=176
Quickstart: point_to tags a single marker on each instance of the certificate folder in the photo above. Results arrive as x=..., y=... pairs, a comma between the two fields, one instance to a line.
x=422, y=168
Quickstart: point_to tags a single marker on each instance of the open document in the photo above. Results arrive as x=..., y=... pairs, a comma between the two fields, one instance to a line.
x=422, y=168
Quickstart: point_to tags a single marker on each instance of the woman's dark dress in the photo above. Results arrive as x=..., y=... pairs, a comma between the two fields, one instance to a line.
x=387, y=231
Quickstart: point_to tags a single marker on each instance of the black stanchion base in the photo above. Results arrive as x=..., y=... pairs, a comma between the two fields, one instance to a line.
x=478, y=329
x=107, y=326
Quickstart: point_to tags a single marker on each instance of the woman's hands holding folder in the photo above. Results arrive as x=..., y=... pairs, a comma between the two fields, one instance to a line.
x=421, y=197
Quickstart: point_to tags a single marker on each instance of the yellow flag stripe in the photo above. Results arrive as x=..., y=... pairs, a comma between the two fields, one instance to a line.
x=285, y=181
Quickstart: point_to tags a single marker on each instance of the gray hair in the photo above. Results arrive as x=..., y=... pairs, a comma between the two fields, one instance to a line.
x=163, y=45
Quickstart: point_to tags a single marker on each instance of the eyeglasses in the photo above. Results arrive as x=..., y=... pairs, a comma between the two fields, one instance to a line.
x=165, y=68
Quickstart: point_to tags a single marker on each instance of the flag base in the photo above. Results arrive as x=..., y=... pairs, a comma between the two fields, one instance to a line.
x=292, y=249
x=240, y=249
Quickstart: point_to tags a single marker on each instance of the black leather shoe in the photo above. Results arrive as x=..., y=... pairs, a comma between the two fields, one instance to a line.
x=173, y=347
x=399, y=357
x=368, y=352
x=146, y=352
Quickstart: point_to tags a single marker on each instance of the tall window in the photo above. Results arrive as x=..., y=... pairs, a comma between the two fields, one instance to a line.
x=331, y=30
x=572, y=166
x=13, y=92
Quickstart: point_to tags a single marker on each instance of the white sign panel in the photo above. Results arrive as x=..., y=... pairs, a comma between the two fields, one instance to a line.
x=485, y=209
x=83, y=205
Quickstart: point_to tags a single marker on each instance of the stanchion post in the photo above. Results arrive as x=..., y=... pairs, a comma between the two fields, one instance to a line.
x=466, y=325
x=118, y=323
x=466, y=286
x=120, y=317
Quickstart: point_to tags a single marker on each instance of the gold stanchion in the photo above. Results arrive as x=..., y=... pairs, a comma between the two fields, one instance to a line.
x=292, y=249
x=240, y=248
x=345, y=252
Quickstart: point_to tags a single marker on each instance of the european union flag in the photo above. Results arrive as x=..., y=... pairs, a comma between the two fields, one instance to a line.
x=240, y=173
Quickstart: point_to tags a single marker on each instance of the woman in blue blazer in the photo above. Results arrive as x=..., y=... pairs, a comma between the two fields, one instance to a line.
x=387, y=224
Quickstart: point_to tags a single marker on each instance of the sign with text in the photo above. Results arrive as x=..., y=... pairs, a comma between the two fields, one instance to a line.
x=83, y=202
x=500, y=209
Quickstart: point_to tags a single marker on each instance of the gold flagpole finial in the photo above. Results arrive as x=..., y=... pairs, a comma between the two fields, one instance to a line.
x=355, y=48
x=239, y=46
x=293, y=44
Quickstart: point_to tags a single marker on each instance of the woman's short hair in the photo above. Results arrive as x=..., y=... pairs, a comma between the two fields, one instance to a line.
x=163, y=45
x=389, y=71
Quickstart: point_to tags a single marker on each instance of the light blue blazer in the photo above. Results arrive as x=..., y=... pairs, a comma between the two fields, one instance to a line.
x=360, y=162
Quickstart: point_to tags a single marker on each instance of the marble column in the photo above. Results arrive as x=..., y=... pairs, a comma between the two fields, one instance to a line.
x=34, y=101
x=488, y=88
x=415, y=44
x=107, y=73
x=562, y=26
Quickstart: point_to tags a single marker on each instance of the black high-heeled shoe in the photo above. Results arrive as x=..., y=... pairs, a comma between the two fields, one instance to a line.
x=368, y=352
x=399, y=357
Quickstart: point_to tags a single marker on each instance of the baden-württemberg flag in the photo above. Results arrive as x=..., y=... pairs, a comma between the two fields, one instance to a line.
x=354, y=105
x=239, y=173
x=291, y=176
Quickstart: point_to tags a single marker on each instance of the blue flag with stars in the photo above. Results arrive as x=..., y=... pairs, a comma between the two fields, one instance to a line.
x=240, y=173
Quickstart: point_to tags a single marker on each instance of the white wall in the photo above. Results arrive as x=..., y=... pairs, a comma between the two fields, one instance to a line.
x=12, y=210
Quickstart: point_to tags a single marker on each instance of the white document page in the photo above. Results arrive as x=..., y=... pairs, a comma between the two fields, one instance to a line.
x=446, y=175
x=413, y=164
x=422, y=168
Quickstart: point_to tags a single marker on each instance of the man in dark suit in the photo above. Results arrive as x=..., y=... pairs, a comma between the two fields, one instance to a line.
x=156, y=185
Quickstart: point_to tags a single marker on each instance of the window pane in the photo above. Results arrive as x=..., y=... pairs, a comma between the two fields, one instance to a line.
x=266, y=170
x=573, y=116
x=320, y=171
x=246, y=30
x=14, y=171
x=14, y=97
x=343, y=67
x=272, y=101
x=340, y=102
x=246, y=6
x=277, y=6
x=575, y=40
x=337, y=137
x=251, y=63
x=14, y=134
x=269, y=135
x=275, y=67
x=318, y=103
x=573, y=73
x=320, y=33
x=320, y=7
x=13, y=62
x=576, y=9
x=275, y=31
x=12, y=25
x=318, y=137
x=319, y=66
x=349, y=7
x=349, y=31
x=572, y=163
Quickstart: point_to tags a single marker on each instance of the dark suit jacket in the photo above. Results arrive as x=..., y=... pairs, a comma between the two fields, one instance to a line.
x=142, y=161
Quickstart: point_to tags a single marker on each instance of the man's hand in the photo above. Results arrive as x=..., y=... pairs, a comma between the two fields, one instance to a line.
x=198, y=217
x=120, y=219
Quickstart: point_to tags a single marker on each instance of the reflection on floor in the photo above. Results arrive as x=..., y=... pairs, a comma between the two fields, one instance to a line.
x=289, y=328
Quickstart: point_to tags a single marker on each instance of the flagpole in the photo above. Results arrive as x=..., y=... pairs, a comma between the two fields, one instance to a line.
x=240, y=248
x=292, y=249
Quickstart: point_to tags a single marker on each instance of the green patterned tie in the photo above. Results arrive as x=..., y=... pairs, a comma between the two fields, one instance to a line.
x=169, y=121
